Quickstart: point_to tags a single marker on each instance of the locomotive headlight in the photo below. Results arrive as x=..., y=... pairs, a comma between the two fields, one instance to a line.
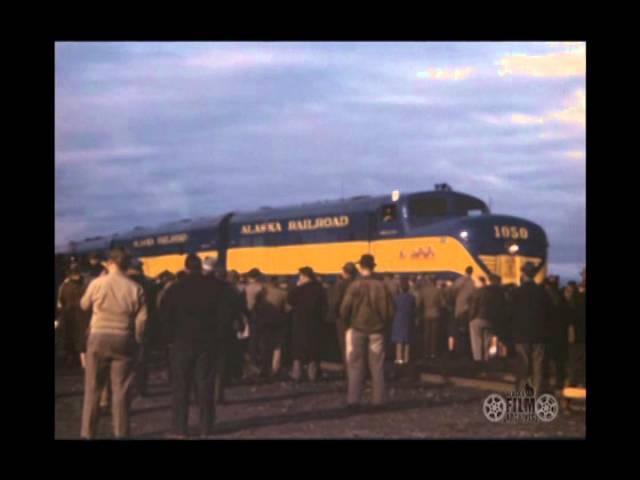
x=513, y=249
x=464, y=234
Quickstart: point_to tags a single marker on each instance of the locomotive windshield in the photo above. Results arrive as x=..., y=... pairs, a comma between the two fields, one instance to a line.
x=469, y=206
x=423, y=210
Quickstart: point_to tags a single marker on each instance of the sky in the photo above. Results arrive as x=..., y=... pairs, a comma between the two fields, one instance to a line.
x=151, y=132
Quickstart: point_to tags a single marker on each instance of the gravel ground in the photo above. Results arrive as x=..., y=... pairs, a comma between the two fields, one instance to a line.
x=275, y=410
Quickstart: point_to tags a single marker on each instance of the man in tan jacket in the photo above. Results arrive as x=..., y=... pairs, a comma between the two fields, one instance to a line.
x=116, y=329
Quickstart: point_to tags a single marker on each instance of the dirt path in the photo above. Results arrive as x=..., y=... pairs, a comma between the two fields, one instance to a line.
x=284, y=410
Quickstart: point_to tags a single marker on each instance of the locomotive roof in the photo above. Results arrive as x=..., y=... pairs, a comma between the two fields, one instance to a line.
x=357, y=204
x=362, y=203
x=329, y=207
x=172, y=227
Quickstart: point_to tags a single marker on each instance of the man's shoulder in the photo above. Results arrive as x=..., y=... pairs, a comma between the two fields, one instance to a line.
x=376, y=282
x=253, y=287
x=121, y=280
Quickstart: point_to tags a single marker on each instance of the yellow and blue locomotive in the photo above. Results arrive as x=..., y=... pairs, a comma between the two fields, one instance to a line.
x=440, y=232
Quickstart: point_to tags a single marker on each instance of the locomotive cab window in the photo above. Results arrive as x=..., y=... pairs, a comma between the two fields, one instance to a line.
x=389, y=213
x=470, y=206
x=426, y=209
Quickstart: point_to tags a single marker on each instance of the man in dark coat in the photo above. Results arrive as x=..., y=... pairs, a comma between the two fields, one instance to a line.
x=557, y=333
x=487, y=309
x=531, y=307
x=369, y=309
x=462, y=288
x=309, y=302
x=195, y=309
x=338, y=290
x=431, y=303
x=228, y=345
x=95, y=267
x=74, y=321
x=576, y=308
x=135, y=273
x=253, y=292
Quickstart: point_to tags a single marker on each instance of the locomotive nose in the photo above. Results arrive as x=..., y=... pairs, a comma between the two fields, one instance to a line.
x=502, y=234
x=504, y=244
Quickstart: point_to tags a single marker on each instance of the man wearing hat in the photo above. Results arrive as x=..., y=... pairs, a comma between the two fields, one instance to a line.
x=136, y=273
x=486, y=310
x=430, y=307
x=463, y=289
x=195, y=309
x=309, y=302
x=95, y=266
x=531, y=308
x=118, y=321
x=368, y=309
x=74, y=321
x=228, y=345
x=557, y=332
x=252, y=291
x=347, y=275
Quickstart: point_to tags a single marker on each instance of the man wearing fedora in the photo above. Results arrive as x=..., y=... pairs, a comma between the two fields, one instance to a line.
x=309, y=303
x=368, y=309
x=135, y=272
x=531, y=307
x=196, y=310
x=117, y=328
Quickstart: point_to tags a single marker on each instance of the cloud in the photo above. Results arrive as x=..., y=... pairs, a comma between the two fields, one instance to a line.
x=99, y=154
x=444, y=74
x=152, y=132
x=226, y=61
x=556, y=64
x=573, y=113
x=522, y=119
x=576, y=154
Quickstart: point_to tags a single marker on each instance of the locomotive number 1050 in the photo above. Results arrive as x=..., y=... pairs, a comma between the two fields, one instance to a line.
x=505, y=231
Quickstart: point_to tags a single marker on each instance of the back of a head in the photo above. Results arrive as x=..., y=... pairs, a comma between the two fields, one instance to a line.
x=74, y=270
x=468, y=270
x=193, y=263
x=350, y=270
x=119, y=257
x=233, y=276
x=404, y=284
x=254, y=274
x=528, y=271
x=367, y=263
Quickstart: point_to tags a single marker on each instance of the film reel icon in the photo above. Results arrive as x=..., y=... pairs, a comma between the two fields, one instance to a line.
x=547, y=407
x=494, y=407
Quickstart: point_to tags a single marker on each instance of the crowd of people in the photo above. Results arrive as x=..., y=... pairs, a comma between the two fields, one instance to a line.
x=214, y=328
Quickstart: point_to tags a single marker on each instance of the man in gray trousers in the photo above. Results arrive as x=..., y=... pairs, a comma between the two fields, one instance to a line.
x=367, y=309
x=116, y=329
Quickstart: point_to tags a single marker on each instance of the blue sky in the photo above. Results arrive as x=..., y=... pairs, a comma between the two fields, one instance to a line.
x=154, y=132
